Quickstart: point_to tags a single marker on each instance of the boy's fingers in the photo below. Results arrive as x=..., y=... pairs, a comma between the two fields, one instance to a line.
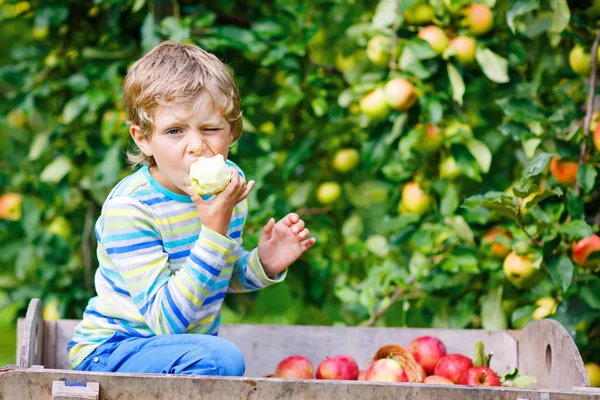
x=298, y=226
x=268, y=229
x=307, y=244
x=247, y=191
x=290, y=219
x=304, y=234
x=195, y=196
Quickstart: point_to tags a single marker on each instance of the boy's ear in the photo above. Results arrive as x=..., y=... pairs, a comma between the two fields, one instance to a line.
x=140, y=140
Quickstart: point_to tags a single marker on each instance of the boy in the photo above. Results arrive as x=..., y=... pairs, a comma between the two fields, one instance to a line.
x=167, y=256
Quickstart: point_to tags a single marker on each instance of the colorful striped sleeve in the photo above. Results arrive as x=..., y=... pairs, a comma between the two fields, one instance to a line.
x=168, y=302
x=248, y=273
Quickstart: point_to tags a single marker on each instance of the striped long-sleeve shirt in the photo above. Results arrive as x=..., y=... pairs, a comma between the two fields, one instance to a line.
x=160, y=271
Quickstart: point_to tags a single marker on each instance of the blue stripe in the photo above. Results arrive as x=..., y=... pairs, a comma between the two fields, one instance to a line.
x=155, y=200
x=204, y=265
x=181, y=242
x=179, y=254
x=151, y=290
x=94, y=313
x=128, y=236
x=144, y=309
x=235, y=235
x=112, y=284
x=216, y=297
x=170, y=320
x=175, y=309
x=133, y=247
x=236, y=222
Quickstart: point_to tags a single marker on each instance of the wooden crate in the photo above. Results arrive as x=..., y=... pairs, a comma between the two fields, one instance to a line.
x=543, y=348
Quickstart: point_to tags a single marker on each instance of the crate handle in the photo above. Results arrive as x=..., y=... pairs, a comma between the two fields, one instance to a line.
x=67, y=390
x=32, y=339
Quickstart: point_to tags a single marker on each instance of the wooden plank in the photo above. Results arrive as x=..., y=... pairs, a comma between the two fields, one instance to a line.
x=547, y=351
x=88, y=391
x=32, y=344
x=37, y=384
x=50, y=344
x=264, y=346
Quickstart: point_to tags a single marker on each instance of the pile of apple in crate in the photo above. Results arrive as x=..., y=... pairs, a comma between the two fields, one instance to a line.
x=425, y=360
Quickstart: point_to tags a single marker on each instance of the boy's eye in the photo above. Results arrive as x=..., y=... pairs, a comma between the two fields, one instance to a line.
x=212, y=129
x=173, y=131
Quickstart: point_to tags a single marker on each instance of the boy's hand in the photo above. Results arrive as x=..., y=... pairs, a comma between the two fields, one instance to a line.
x=216, y=213
x=282, y=243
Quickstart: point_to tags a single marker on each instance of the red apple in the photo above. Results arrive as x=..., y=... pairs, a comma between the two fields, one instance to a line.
x=499, y=250
x=400, y=94
x=298, y=367
x=583, y=249
x=374, y=105
x=435, y=36
x=565, y=172
x=438, y=380
x=597, y=137
x=386, y=370
x=452, y=366
x=430, y=140
x=427, y=351
x=480, y=376
x=479, y=19
x=340, y=367
x=464, y=49
x=10, y=206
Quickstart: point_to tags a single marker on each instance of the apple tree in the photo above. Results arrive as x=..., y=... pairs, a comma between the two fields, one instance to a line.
x=442, y=152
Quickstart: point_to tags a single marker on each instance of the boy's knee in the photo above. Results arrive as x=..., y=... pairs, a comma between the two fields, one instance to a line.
x=232, y=359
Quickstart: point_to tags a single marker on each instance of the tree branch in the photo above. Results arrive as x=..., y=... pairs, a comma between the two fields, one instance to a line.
x=397, y=293
x=394, y=39
x=590, y=105
x=85, y=246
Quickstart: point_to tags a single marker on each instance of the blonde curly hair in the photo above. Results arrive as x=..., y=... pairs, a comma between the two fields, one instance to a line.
x=175, y=74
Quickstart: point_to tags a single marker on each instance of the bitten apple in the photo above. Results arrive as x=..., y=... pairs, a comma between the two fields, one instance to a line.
x=298, y=367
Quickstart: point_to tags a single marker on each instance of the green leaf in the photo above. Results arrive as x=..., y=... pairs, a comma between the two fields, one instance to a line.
x=493, y=66
x=537, y=165
x=137, y=6
x=74, y=108
x=590, y=293
x=492, y=312
x=556, y=191
x=378, y=245
x=586, y=175
x=576, y=229
x=462, y=229
x=300, y=196
x=450, y=201
x=457, y=83
x=40, y=143
x=148, y=32
x=353, y=227
x=385, y=14
x=561, y=16
x=31, y=217
x=515, y=130
x=574, y=204
x=561, y=271
x=518, y=8
x=521, y=108
x=56, y=170
x=481, y=153
x=419, y=49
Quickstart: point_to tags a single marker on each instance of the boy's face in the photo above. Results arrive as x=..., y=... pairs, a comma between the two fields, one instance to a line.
x=181, y=136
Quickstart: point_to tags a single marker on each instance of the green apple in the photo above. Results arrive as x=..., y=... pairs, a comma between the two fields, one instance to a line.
x=374, y=105
x=328, y=192
x=520, y=270
x=478, y=18
x=60, y=227
x=400, y=94
x=414, y=200
x=346, y=160
x=580, y=61
x=435, y=36
x=419, y=14
x=379, y=50
x=448, y=168
x=546, y=306
x=593, y=371
x=430, y=140
x=464, y=47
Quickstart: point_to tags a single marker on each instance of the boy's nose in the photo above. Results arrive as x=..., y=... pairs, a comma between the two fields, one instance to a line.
x=199, y=146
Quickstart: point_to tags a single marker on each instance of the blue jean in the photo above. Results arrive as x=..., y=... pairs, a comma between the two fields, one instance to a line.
x=191, y=354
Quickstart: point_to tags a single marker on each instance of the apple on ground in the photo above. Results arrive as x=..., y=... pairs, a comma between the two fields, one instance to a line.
x=427, y=351
x=582, y=250
x=435, y=36
x=379, y=50
x=593, y=371
x=346, y=160
x=341, y=367
x=564, y=171
x=328, y=192
x=400, y=94
x=521, y=271
x=374, y=105
x=297, y=367
x=479, y=18
x=10, y=206
x=438, y=380
x=464, y=49
x=419, y=14
x=386, y=370
x=499, y=250
x=546, y=306
x=414, y=199
x=452, y=366
x=480, y=376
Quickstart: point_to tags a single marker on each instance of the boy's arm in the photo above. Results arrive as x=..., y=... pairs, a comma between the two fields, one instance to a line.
x=168, y=302
x=248, y=272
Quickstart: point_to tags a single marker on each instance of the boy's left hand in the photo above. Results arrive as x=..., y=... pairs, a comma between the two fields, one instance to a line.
x=282, y=243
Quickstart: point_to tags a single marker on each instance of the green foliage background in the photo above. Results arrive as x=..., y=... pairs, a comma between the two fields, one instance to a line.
x=302, y=70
